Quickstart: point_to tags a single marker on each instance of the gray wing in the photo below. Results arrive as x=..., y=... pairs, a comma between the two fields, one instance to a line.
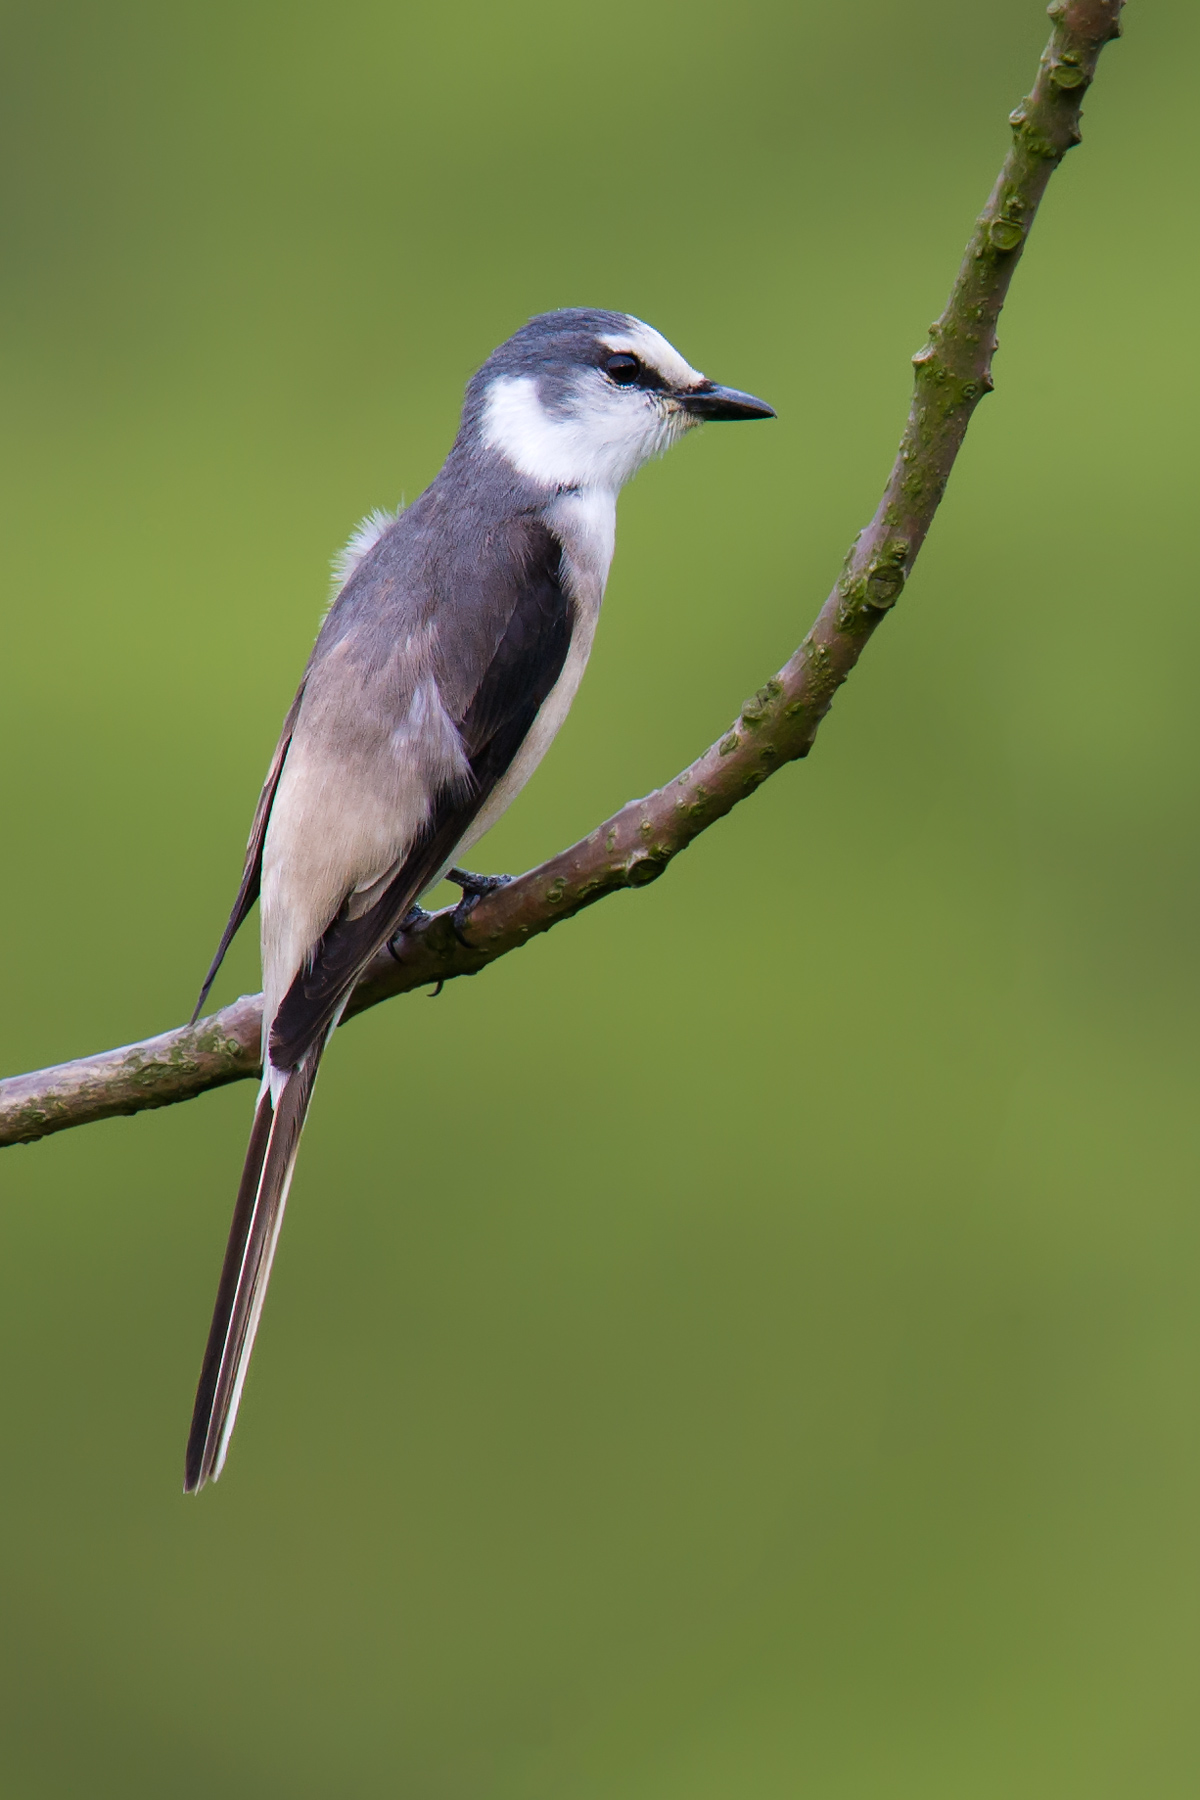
x=498, y=652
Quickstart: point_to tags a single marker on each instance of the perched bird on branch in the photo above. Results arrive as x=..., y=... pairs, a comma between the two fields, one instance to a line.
x=442, y=672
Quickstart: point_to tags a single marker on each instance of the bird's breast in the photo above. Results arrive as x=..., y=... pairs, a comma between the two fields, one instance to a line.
x=584, y=521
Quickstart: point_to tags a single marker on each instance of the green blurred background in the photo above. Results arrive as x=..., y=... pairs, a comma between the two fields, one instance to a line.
x=748, y=1344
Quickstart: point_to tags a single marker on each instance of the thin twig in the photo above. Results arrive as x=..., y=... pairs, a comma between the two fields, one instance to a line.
x=953, y=372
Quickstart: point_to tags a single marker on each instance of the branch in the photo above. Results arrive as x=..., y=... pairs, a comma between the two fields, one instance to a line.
x=953, y=372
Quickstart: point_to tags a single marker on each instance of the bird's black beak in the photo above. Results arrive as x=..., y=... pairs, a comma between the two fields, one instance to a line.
x=708, y=401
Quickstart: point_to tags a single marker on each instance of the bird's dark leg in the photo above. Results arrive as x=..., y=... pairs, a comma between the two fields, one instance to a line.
x=474, y=887
x=414, y=916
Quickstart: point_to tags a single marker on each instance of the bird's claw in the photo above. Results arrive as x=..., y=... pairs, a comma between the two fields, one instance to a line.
x=474, y=887
x=416, y=915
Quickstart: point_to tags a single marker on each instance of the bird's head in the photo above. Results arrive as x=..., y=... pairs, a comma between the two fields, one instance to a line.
x=581, y=399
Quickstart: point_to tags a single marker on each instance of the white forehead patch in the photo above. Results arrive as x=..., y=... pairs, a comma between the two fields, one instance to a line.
x=653, y=349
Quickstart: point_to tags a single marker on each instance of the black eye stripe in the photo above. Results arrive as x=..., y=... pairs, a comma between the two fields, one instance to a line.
x=627, y=370
x=623, y=369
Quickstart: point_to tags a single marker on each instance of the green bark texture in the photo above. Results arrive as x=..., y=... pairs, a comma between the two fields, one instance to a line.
x=776, y=726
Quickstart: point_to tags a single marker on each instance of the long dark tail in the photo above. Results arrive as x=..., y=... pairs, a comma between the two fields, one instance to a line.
x=257, y=1217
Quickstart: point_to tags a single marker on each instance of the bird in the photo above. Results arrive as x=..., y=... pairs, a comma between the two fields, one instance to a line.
x=441, y=673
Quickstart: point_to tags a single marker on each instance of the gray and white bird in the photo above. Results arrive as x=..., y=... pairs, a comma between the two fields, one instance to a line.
x=443, y=670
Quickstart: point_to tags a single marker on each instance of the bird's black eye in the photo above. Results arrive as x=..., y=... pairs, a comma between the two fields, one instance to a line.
x=622, y=368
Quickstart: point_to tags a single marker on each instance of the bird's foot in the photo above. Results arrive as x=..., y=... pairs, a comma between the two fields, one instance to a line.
x=474, y=887
x=415, y=915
